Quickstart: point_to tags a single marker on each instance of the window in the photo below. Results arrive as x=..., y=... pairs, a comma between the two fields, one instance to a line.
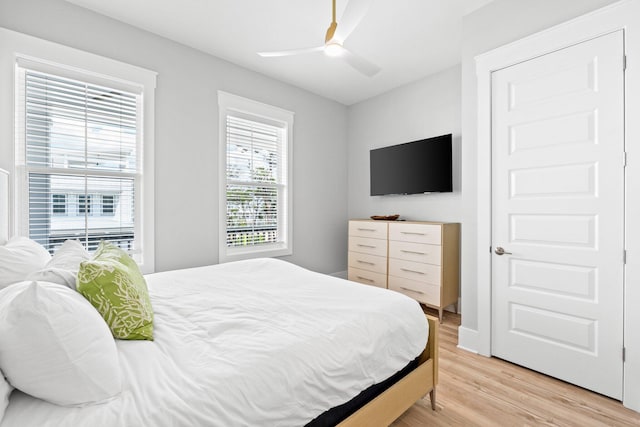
x=79, y=145
x=59, y=204
x=84, y=204
x=108, y=205
x=255, y=147
x=82, y=138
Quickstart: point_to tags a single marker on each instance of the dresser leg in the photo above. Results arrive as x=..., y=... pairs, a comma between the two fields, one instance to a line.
x=432, y=395
x=440, y=314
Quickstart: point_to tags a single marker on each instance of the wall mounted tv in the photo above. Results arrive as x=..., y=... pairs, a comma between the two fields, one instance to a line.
x=422, y=166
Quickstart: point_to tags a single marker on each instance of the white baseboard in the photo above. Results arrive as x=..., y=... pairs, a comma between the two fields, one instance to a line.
x=468, y=339
x=340, y=274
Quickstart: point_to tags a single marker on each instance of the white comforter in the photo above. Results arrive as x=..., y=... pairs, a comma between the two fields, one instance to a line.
x=252, y=343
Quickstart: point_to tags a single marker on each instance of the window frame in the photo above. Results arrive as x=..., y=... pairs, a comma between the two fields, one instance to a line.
x=237, y=106
x=43, y=56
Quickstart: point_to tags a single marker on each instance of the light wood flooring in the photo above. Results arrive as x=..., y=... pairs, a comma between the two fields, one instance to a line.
x=479, y=391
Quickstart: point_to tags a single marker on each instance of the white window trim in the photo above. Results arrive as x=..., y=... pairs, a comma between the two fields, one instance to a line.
x=32, y=52
x=229, y=103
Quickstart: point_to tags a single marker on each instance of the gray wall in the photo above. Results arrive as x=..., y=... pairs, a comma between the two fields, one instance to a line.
x=498, y=23
x=426, y=108
x=186, y=136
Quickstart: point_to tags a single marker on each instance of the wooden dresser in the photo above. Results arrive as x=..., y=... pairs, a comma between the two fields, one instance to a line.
x=419, y=259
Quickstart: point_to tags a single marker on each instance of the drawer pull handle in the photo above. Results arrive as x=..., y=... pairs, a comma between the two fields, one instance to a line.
x=366, y=246
x=412, y=252
x=411, y=290
x=366, y=262
x=366, y=229
x=365, y=278
x=412, y=271
x=413, y=232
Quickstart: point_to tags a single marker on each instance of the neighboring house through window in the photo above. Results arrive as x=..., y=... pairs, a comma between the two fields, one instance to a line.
x=255, y=153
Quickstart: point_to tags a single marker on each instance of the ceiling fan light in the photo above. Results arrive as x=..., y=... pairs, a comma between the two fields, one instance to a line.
x=333, y=49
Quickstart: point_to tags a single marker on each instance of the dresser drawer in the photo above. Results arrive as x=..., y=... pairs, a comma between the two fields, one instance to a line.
x=417, y=233
x=374, y=230
x=418, y=271
x=367, y=277
x=417, y=252
x=420, y=291
x=375, y=263
x=368, y=246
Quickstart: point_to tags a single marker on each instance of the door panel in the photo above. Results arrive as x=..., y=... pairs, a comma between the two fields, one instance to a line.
x=571, y=281
x=557, y=208
x=554, y=181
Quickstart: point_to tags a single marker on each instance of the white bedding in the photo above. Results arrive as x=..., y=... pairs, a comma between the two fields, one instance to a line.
x=252, y=343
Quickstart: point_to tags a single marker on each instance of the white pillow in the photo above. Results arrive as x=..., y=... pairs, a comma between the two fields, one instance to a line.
x=55, y=346
x=19, y=257
x=63, y=267
x=5, y=392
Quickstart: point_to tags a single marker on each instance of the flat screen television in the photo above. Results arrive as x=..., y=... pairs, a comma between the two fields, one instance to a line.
x=422, y=166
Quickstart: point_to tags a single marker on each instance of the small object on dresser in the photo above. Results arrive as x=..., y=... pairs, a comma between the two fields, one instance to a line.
x=385, y=217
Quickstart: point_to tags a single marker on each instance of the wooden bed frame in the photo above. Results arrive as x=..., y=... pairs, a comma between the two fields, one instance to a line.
x=394, y=401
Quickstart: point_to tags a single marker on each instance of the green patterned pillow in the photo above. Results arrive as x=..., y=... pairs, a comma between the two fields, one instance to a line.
x=113, y=284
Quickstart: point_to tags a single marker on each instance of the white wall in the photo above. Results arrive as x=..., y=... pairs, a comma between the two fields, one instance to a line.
x=186, y=135
x=426, y=108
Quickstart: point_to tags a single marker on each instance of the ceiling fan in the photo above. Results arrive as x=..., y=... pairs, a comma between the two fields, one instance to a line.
x=335, y=37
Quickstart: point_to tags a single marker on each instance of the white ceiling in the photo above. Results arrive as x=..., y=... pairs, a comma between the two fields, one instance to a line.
x=408, y=39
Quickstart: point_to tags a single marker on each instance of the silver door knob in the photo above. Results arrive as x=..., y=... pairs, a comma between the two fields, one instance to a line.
x=501, y=251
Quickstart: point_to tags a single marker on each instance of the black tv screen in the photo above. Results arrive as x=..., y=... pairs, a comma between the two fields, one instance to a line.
x=422, y=166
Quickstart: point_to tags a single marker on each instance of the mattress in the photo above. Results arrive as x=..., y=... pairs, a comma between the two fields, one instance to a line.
x=256, y=342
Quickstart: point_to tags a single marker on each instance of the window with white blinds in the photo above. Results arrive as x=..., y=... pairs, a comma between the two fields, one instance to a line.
x=255, y=202
x=79, y=149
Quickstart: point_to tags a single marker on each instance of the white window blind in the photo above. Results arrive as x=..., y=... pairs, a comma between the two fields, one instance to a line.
x=255, y=143
x=81, y=160
x=254, y=182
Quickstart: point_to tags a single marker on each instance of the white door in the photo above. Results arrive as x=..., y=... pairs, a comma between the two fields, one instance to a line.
x=557, y=207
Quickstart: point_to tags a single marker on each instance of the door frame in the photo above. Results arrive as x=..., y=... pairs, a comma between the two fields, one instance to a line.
x=602, y=21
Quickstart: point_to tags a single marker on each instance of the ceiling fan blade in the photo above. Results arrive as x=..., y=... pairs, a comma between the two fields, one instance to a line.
x=353, y=14
x=366, y=67
x=291, y=52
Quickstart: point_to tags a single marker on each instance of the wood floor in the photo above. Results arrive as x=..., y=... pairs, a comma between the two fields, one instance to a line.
x=479, y=391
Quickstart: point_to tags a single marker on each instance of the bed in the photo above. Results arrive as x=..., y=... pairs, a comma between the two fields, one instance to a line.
x=261, y=342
